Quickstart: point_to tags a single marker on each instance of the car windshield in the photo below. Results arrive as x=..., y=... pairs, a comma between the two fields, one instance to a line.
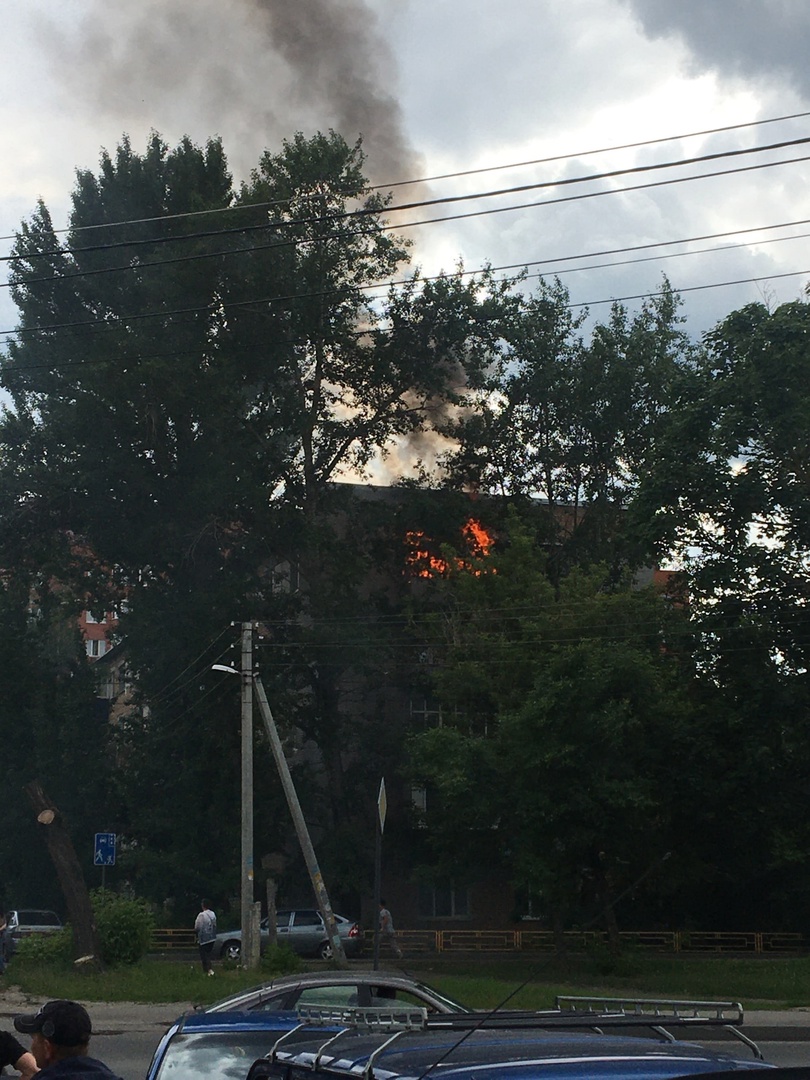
x=217, y=1054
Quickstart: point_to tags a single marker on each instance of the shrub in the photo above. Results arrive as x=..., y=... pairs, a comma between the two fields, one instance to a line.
x=281, y=960
x=124, y=927
x=53, y=950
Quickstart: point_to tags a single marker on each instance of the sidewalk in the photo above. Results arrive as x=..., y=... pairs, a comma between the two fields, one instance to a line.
x=109, y=1018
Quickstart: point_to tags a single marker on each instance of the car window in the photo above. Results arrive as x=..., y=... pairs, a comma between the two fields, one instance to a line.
x=341, y=994
x=385, y=995
x=283, y=918
x=39, y=918
x=307, y=918
x=223, y=1055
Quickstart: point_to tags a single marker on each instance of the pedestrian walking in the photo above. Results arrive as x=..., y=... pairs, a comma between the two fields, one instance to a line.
x=387, y=931
x=3, y=943
x=205, y=927
x=60, y=1036
x=13, y=1053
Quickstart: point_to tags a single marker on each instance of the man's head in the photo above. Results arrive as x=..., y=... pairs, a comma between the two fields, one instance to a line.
x=205, y=905
x=60, y=1029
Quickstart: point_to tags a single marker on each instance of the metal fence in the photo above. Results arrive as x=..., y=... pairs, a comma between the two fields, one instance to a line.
x=524, y=940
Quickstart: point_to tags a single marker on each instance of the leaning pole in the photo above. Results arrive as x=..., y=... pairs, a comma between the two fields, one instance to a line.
x=304, y=840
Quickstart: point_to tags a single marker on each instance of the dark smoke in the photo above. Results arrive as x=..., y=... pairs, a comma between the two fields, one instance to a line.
x=252, y=71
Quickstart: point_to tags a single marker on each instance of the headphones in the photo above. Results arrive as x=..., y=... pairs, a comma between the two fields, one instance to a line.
x=48, y=1029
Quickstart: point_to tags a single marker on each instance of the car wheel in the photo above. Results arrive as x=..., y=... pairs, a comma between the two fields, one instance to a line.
x=325, y=951
x=231, y=950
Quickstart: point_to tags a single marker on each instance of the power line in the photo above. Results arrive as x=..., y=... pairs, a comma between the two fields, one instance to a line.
x=431, y=179
x=588, y=153
x=119, y=319
x=377, y=329
x=364, y=213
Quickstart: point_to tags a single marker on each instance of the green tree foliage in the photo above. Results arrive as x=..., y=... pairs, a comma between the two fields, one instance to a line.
x=194, y=367
x=53, y=731
x=569, y=421
x=729, y=494
x=566, y=728
x=124, y=925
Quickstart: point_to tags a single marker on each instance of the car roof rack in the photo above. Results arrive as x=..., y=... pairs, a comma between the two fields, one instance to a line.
x=593, y=1013
x=707, y=1012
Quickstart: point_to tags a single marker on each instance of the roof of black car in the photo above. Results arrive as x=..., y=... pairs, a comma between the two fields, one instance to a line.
x=558, y=1044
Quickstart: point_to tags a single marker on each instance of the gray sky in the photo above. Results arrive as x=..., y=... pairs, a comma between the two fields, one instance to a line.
x=439, y=86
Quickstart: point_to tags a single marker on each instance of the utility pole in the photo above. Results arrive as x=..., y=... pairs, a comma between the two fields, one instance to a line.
x=250, y=937
x=304, y=840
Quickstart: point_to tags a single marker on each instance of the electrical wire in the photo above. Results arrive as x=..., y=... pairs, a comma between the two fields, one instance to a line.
x=442, y=176
x=119, y=319
x=364, y=213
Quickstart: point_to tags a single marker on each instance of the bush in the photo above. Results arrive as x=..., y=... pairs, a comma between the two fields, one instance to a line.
x=124, y=927
x=281, y=960
x=53, y=950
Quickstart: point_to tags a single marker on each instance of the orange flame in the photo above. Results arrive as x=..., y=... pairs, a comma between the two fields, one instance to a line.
x=421, y=562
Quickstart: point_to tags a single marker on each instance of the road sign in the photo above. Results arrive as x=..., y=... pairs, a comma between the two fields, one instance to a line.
x=105, y=849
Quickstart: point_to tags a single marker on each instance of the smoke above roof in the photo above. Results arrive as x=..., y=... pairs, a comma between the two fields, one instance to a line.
x=251, y=71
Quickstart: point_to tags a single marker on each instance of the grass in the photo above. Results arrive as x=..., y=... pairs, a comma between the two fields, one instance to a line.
x=759, y=983
x=153, y=981
x=480, y=981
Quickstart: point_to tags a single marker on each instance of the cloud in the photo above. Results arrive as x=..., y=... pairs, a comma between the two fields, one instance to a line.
x=748, y=39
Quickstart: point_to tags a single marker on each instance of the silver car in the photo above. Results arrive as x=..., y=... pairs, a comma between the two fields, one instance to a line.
x=338, y=988
x=302, y=930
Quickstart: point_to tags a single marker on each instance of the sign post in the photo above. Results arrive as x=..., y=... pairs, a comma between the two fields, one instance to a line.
x=104, y=853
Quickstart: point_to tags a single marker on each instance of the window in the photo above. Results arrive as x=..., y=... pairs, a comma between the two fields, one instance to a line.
x=307, y=918
x=444, y=902
x=96, y=648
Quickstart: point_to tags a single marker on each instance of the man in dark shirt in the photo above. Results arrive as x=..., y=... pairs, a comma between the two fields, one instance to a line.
x=60, y=1034
x=14, y=1054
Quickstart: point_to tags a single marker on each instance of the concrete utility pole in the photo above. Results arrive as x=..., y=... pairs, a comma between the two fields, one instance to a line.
x=250, y=932
x=304, y=840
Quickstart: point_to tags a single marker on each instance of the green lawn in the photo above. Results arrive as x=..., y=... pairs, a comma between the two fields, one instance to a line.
x=480, y=981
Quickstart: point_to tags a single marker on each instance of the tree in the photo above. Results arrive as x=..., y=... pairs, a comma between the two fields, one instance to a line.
x=728, y=495
x=566, y=728
x=572, y=423
x=194, y=368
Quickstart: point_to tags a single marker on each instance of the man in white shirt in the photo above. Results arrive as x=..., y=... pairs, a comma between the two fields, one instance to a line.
x=205, y=927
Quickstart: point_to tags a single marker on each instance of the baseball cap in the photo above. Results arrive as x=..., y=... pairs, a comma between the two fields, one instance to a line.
x=65, y=1023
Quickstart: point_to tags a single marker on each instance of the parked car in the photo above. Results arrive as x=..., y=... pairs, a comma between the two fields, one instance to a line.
x=22, y=922
x=302, y=929
x=607, y=1043
x=363, y=988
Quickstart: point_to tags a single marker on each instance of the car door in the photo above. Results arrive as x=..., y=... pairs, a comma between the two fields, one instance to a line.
x=283, y=920
x=306, y=932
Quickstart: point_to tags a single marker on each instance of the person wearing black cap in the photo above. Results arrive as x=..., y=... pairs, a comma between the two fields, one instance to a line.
x=60, y=1034
x=14, y=1054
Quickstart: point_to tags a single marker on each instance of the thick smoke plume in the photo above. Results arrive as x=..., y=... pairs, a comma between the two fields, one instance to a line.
x=252, y=71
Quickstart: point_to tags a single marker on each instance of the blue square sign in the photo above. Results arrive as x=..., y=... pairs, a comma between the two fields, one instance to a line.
x=105, y=849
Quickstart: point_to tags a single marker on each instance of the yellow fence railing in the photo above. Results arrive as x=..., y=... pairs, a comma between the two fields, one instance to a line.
x=525, y=939
x=528, y=940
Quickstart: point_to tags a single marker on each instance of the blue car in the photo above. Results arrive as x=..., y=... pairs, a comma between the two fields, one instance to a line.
x=222, y=1045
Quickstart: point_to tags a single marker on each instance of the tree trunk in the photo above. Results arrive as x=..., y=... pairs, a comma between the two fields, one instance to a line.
x=86, y=950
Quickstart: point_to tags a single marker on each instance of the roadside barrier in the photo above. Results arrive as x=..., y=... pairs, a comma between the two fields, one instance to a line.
x=527, y=940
